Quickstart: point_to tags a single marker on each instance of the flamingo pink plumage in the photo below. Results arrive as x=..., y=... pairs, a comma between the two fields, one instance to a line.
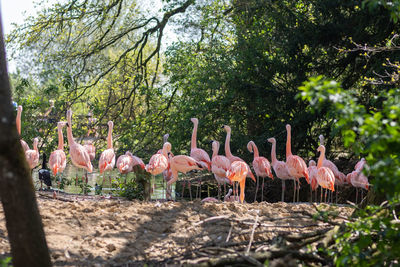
x=79, y=156
x=261, y=167
x=107, y=157
x=58, y=160
x=237, y=173
x=32, y=155
x=181, y=163
x=228, y=152
x=158, y=162
x=91, y=149
x=219, y=166
x=357, y=178
x=137, y=161
x=198, y=154
x=167, y=173
x=329, y=164
x=312, y=172
x=325, y=176
x=18, y=123
x=125, y=163
x=296, y=166
x=279, y=167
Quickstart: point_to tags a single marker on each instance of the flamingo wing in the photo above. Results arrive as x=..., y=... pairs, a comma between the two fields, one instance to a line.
x=80, y=158
x=57, y=161
x=202, y=157
x=297, y=167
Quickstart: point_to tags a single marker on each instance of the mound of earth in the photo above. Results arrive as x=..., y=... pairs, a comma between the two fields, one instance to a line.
x=94, y=231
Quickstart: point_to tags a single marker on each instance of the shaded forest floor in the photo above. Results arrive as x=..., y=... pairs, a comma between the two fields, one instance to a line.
x=94, y=231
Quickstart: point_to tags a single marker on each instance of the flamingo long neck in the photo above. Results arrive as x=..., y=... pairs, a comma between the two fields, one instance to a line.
x=18, y=121
x=194, y=136
x=60, y=138
x=70, y=137
x=35, y=143
x=273, y=153
x=109, y=138
x=288, y=145
x=321, y=158
x=255, y=150
x=227, y=145
x=321, y=140
x=215, y=150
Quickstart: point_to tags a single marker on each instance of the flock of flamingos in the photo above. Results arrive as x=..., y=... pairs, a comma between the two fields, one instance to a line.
x=226, y=169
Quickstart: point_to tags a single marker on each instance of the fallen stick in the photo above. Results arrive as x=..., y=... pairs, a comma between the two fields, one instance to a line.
x=252, y=233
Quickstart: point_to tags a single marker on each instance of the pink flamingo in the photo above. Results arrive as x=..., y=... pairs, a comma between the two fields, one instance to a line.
x=339, y=176
x=125, y=164
x=228, y=197
x=199, y=154
x=58, y=160
x=32, y=155
x=181, y=163
x=357, y=178
x=219, y=166
x=91, y=149
x=18, y=123
x=237, y=173
x=167, y=173
x=279, y=167
x=261, y=167
x=107, y=157
x=325, y=176
x=158, y=162
x=296, y=166
x=233, y=158
x=79, y=156
x=312, y=172
x=137, y=161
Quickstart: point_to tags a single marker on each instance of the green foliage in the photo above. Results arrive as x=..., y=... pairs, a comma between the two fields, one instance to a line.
x=6, y=262
x=128, y=188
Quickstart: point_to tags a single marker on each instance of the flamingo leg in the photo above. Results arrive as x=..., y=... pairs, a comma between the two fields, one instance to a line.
x=326, y=191
x=316, y=194
x=298, y=190
x=337, y=187
x=362, y=195
x=322, y=189
x=200, y=187
x=255, y=195
x=219, y=191
x=356, y=194
x=310, y=194
x=283, y=191
x=183, y=188
x=190, y=190
x=224, y=189
x=294, y=191
x=262, y=190
x=242, y=185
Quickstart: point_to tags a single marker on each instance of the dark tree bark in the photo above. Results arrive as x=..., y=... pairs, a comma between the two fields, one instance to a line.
x=23, y=221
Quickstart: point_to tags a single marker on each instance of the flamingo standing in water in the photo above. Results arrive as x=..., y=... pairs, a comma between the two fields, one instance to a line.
x=296, y=166
x=18, y=123
x=32, y=155
x=233, y=158
x=325, y=176
x=237, y=173
x=339, y=176
x=199, y=154
x=181, y=163
x=312, y=172
x=279, y=167
x=107, y=157
x=58, y=160
x=219, y=166
x=261, y=166
x=91, y=149
x=79, y=156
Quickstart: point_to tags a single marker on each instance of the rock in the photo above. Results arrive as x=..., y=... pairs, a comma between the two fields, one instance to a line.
x=110, y=247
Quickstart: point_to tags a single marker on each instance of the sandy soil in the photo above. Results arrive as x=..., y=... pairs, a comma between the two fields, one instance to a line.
x=114, y=232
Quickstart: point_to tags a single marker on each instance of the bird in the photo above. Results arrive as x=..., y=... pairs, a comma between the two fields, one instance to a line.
x=18, y=123
x=91, y=149
x=136, y=161
x=58, y=160
x=357, y=178
x=125, y=164
x=296, y=166
x=219, y=166
x=325, y=176
x=312, y=172
x=158, y=162
x=237, y=173
x=228, y=197
x=180, y=163
x=279, y=167
x=200, y=155
x=339, y=176
x=167, y=173
x=231, y=157
x=107, y=157
x=32, y=155
x=261, y=167
x=44, y=174
x=79, y=155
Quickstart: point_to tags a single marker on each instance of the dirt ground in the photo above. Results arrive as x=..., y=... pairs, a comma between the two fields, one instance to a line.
x=94, y=231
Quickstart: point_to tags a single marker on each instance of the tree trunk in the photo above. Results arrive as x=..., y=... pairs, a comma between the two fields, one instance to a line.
x=143, y=178
x=23, y=221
